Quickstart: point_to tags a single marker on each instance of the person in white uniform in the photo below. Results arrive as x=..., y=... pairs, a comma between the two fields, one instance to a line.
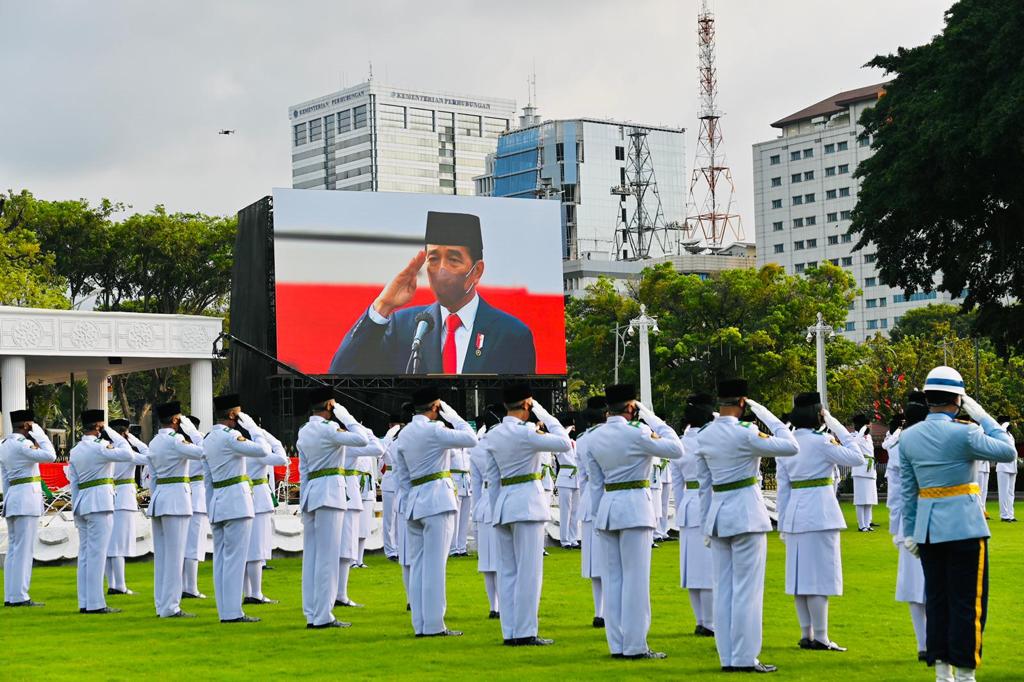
x=323, y=500
x=810, y=518
x=126, y=506
x=735, y=520
x=21, y=452
x=368, y=473
x=422, y=463
x=348, y=554
x=486, y=537
x=568, y=484
x=91, y=475
x=621, y=455
x=656, y=500
x=591, y=556
x=661, y=533
x=170, y=507
x=460, y=477
x=909, y=574
x=197, y=541
x=1006, y=480
x=520, y=510
x=388, y=488
x=260, y=473
x=695, y=572
x=229, y=500
x=865, y=484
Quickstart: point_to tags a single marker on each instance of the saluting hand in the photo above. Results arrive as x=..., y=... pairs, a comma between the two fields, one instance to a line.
x=402, y=288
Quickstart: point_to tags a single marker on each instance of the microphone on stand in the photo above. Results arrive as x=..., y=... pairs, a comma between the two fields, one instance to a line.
x=424, y=324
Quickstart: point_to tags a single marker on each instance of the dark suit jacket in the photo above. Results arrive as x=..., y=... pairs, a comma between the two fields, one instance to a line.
x=371, y=348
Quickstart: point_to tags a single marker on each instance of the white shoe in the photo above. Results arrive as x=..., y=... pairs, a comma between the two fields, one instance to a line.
x=944, y=672
x=964, y=675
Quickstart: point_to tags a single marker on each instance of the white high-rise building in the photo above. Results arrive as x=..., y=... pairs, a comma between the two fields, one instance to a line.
x=804, y=193
x=376, y=137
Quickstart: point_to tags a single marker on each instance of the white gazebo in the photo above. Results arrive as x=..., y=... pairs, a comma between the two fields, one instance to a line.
x=47, y=346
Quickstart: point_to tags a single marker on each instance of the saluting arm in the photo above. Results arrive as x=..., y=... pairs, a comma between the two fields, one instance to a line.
x=909, y=490
x=461, y=435
x=182, y=448
x=782, y=442
x=45, y=452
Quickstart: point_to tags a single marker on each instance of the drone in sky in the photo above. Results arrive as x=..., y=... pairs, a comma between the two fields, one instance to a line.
x=226, y=132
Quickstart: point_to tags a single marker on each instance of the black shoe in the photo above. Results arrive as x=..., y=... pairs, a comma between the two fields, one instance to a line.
x=510, y=642
x=243, y=619
x=105, y=609
x=407, y=607
x=702, y=631
x=351, y=604
x=183, y=614
x=728, y=669
x=922, y=656
x=493, y=615
x=259, y=600
x=111, y=590
x=534, y=641
x=647, y=654
x=756, y=668
x=332, y=624
x=546, y=553
x=189, y=595
x=268, y=567
x=27, y=602
x=617, y=656
x=654, y=545
x=822, y=646
x=443, y=633
x=566, y=546
x=1013, y=520
x=804, y=643
x=598, y=622
x=393, y=558
x=873, y=524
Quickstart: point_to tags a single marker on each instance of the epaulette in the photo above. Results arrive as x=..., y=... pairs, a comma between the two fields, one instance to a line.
x=635, y=424
x=745, y=424
x=964, y=421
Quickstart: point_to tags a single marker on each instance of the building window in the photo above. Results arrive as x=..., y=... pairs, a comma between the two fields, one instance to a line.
x=870, y=257
x=844, y=168
x=620, y=153
x=808, y=175
x=774, y=160
x=881, y=302
x=851, y=326
x=798, y=268
x=811, y=220
x=844, y=191
x=315, y=130
x=559, y=151
x=798, y=222
x=872, y=324
x=797, y=200
x=832, y=217
x=344, y=121
x=845, y=215
x=842, y=146
x=872, y=303
x=779, y=248
x=798, y=246
x=884, y=323
x=870, y=281
x=300, y=134
x=864, y=141
x=848, y=261
x=359, y=114
x=812, y=243
x=846, y=238
x=776, y=182
x=833, y=261
x=812, y=264
x=833, y=239
x=794, y=156
x=776, y=203
x=830, y=194
x=809, y=198
x=777, y=226
x=830, y=149
x=830, y=171
x=808, y=153
x=795, y=177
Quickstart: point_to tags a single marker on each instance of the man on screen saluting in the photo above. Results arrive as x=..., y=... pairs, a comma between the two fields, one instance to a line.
x=460, y=333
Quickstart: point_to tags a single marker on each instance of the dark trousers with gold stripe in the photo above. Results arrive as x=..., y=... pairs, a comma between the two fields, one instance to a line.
x=956, y=599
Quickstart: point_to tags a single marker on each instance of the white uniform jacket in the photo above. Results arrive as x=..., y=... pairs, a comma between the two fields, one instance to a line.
x=321, y=445
x=516, y=451
x=226, y=451
x=388, y=483
x=731, y=452
x=422, y=464
x=359, y=467
x=568, y=469
x=583, y=464
x=688, y=510
x=197, y=479
x=622, y=452
x=1007, y=467
x=261, y=475
x=169, y=456
x=20, y=459
x=478, y=458
x=460, y=464
x=867, y=447
x=804, y=509
x=125, y=492
x=93, y=460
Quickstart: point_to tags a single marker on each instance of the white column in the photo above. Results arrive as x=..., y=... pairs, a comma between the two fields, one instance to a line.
x=202, y=392
x=645, y=368
x=822, y=379
x=12, y=386
x=97, y=390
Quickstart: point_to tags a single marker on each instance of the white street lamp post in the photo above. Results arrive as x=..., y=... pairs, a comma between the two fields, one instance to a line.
x=644, y=323
x=621, y=331
x=819, y=332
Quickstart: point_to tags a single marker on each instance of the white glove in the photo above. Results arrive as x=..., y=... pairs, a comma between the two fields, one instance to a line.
x=37, y=431
x=482, y=430
x=834, y=425
x=112, y=435
x=911, y=546
x=188, y=427
x=761, y=412
x=647, y=414
x=707, y=541
x=539, y=410
x=343, y=415
x=243, y=419
x=449, y=414
x=392, y=431
x=971, y=407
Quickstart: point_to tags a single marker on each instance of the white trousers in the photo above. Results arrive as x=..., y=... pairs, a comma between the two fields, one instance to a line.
x=864, y=515
x=93, y=537
x=983, y=474
x=1006, y=484
x=428, y=541
x=461, y=532
x=230, y=548
x=169, y=535
x=666, y=503
x=389, y=517
x=626, y=579
x=569, y=516
x=21, y=542
x=196, y=542
x=321, y=543
x=520, y=574
x=738, y=563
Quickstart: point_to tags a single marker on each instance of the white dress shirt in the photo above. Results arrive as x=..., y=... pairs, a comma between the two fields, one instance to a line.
x=467, y=314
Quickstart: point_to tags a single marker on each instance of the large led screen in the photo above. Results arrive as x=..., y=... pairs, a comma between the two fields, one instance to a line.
x=375, y=283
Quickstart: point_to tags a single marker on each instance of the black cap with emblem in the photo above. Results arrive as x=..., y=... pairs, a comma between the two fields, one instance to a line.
x=455, y=229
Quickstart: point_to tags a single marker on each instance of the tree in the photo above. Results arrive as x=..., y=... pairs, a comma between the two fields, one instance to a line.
x=923, y=322
x=943, y=191
x=28, y=275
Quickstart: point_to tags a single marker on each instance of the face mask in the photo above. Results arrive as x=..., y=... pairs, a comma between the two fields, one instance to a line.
x=450, y=288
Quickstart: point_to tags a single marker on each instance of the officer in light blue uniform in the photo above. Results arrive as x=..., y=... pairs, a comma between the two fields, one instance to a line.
x=943, y=523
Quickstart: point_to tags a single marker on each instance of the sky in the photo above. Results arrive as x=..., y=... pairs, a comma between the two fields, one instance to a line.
x=123, y=100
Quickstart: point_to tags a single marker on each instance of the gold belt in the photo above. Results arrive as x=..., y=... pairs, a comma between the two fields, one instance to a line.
x=950, y=491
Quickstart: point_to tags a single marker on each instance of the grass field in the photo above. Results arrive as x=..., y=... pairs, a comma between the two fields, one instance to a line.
x=133, y=644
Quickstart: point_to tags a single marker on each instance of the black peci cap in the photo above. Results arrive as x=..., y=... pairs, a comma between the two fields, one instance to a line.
x=425, y=395
x=168, y=410
x=701, y=399
x=19, y=416
x=619, y=393
x=515, y=393
x=320, y=394
x=119, y=423
x=807, y=399
x=861, y=419
x=733, y=388
x=597, y=402
x=226, y=401
x=454, y=229
x=93, y=416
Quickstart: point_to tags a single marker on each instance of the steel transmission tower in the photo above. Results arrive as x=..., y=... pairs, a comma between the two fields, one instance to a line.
x=711, y=187
x=636, y=233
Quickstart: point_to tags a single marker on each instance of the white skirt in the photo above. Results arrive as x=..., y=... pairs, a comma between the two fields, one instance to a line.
x=122, y=538
x=260, y=546
x=694, y=560
x=591, y=554
x=198, y=542
x=865, y=491
x=350, y=534
x=486, y=548
x=813, y=563
x=365, y=520
x=909, y=577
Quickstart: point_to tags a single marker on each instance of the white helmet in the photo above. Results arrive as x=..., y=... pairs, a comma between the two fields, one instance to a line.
x=945, y=379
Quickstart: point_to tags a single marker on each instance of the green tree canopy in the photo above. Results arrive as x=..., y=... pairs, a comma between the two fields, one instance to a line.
x=28, y=275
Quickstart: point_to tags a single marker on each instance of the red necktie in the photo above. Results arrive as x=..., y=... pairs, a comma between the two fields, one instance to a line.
x=449, y=358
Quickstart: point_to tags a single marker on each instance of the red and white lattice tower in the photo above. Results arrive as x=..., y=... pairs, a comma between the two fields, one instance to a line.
x=711, y=187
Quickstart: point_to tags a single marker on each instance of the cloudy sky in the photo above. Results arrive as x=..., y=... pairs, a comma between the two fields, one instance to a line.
x=124, y=99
